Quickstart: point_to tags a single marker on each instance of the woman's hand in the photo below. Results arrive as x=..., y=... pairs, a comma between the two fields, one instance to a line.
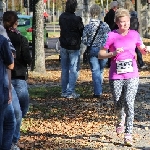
x=103, y=53
x=144, y=49
x=117, y=51
x=147, y=49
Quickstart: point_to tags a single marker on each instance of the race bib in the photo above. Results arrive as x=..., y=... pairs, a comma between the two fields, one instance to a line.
x=124, y=66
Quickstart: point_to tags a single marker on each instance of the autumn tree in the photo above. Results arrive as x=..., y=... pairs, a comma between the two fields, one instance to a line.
x=102, y=2
x=38, y=53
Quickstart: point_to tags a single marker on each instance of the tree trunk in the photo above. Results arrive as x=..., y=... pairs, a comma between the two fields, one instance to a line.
x=138, y=6
x=39, y=57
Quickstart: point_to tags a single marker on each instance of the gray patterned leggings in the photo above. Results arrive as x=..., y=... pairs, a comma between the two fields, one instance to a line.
x=124, y=92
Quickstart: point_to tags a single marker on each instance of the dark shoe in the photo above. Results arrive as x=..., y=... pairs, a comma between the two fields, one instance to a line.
x=144, y=67
x=96, y=96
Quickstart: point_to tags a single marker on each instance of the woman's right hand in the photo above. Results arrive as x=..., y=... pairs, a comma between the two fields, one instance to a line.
x=117, y=51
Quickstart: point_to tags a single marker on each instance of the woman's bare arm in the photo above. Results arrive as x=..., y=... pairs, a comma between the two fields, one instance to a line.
x=103, y=53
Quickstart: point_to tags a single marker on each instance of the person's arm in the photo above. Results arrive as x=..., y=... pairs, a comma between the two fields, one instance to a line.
x=105, y=31
x=9, y=86
x=140, y=45
x=109, y=41
x=8, y=60
x=143, y=49
x=11, y=66
x=84, y=36
x=81, y=26
x=25, y=50
x=103, y=53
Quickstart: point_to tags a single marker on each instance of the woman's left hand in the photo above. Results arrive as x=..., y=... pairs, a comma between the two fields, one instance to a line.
x=147, y=49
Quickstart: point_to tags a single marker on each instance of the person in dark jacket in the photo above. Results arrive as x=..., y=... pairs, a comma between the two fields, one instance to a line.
x=19, y=73
x=109, y=19
x=71, y=28
x=129, y=5
x=7, y=117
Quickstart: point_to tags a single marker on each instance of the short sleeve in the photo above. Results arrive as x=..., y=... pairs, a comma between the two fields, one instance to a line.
x=109, y=40
x=139, y=40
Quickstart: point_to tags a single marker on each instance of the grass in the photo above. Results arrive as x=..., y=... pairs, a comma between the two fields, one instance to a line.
x=55, y=22
x=38, y=92
x=53, y=34
x=55, y=91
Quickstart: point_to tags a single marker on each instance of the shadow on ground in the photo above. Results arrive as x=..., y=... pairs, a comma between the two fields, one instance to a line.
x=85, y=123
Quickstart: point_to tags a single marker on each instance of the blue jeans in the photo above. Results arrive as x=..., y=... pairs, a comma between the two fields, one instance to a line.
x=20, y=104
x=18, y=115
x=97, y=68
x=7, y=126
x=21, y=89
x=70, y=63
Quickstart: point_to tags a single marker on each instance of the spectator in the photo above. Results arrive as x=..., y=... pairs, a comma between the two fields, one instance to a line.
x=19, y=73
x=71, y=28
x=129, y=5
x=120, y=3
x=100, y=29
x=123, y=74
x=7, y=118
x=109, y=19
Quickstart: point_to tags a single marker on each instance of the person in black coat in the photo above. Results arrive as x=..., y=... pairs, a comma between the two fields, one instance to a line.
x=109, y=19
x=71, y=28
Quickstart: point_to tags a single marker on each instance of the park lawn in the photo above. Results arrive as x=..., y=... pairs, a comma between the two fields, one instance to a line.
x=53, y=34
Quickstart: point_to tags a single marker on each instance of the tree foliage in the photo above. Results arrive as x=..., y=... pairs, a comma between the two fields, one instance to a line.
x=99, y=2
x=16, y=3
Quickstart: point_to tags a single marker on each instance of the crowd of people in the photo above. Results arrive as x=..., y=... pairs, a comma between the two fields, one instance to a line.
x=114, y=39
x=111, y=39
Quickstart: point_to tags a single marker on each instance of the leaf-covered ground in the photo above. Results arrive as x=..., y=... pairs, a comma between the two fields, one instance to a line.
x=55, y=123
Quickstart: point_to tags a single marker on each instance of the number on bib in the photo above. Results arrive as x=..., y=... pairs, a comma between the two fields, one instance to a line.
x=124, y=66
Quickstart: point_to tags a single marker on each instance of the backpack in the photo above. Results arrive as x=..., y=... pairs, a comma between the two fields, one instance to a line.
x=134, y=23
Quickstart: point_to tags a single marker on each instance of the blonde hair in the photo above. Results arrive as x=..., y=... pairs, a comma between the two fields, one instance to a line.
x=121, y=12
x=95, y=10
x=129, y=5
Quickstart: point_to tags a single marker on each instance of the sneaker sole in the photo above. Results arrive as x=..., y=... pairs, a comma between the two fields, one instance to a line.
x=128, y=144
x=63, y=96
x=72, y=97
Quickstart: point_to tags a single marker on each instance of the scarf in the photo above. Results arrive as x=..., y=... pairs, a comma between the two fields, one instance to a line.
x=14, y=30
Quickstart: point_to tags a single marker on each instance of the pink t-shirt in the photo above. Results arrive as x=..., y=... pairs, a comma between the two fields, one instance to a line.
x=128, y=43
